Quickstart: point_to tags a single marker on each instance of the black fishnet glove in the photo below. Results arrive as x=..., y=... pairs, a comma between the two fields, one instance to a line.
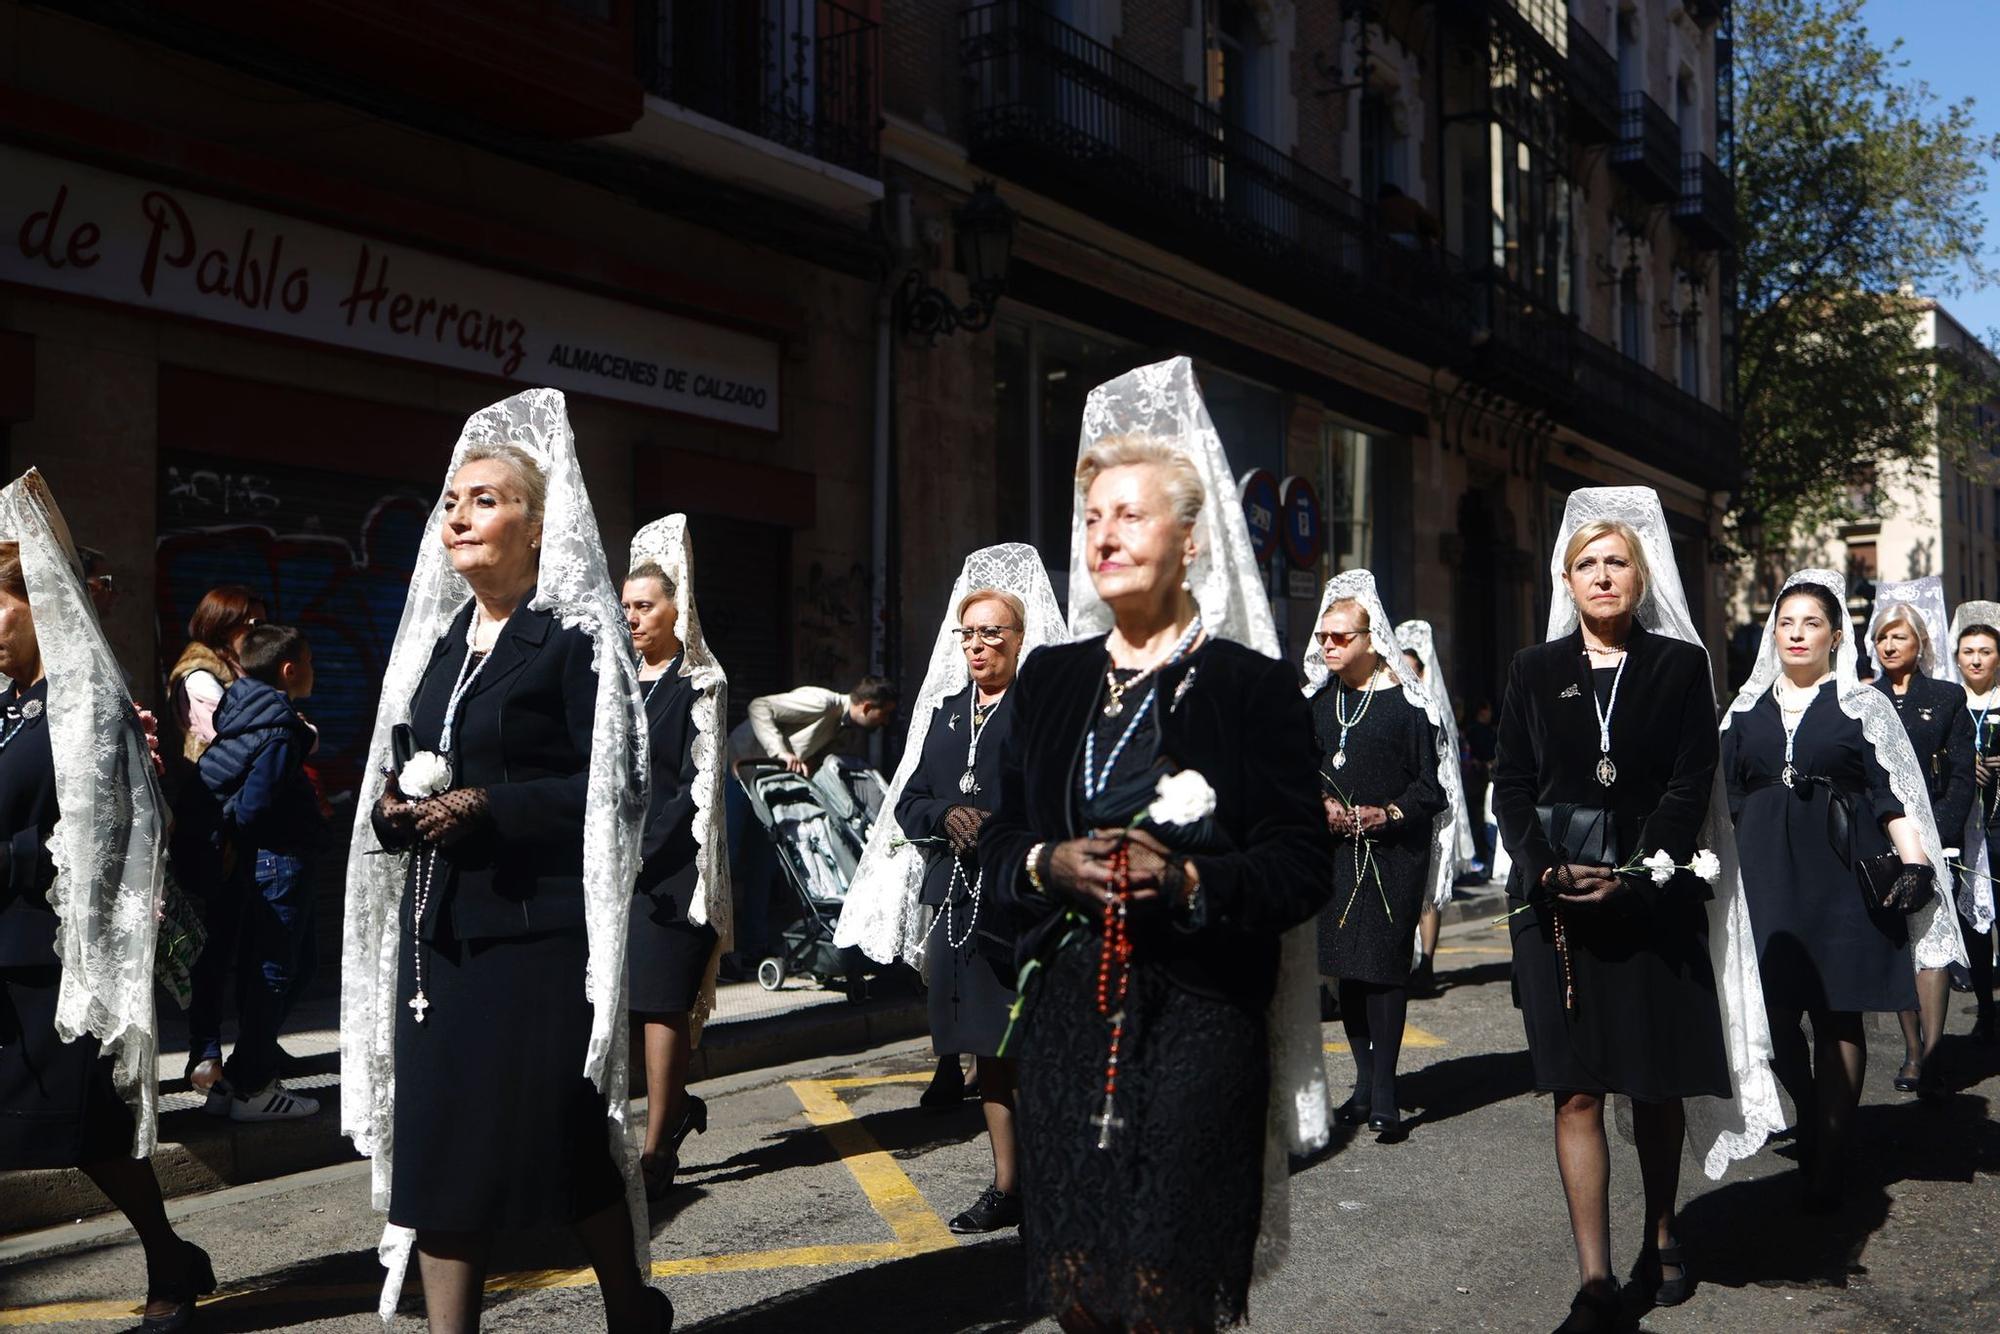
x=451, y=817
x=961, y=827
x=394, y=820
x=1914, y=888
x=1155, y=876
x=1075, y=873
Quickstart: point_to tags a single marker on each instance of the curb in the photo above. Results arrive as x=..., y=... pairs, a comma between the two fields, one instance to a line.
x=1484, y=905
x=198, y=1153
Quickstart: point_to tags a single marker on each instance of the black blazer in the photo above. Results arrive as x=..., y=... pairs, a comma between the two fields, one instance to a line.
x=523, y=735
x=27, y=818
x=668, y=847
x=1940, y=729
x=1242, y=723
x=933, y=786
x=1663, y=740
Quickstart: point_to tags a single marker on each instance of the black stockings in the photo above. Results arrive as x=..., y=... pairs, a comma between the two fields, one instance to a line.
x=1373, y=1016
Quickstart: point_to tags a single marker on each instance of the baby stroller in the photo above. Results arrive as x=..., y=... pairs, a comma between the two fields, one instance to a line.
x=853, y=794
x=818, y=826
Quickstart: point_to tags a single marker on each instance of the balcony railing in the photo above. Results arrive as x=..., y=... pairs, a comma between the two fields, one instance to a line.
x=1593, y=88
x=1706, y=209
x=1647, y=154
x=802, y=73
x=1056, y=111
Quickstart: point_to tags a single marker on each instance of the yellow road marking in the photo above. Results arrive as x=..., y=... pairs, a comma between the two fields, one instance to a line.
x=1412, y=1037
x=890, y=1192
x=1475, y=949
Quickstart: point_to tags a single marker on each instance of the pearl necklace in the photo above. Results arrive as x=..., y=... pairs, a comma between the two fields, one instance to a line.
x=1114, y=689
x=1793, y=703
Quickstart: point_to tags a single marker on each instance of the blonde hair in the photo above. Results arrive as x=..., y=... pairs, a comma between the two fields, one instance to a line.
x=1367, y=621
x=1597, y=528
x=979, y=595
x=1902, y=613
x=1180, y=478
x=527, y=473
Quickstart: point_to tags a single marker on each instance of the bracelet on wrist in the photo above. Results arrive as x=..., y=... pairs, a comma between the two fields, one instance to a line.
x=1033, y=867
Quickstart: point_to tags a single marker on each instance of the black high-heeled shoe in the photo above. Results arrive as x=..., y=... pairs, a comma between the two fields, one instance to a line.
x=666, y=1306
x=693, y=1118
x=1594, y=1310
x=1388, y=1129
x=1651, y=1279
x=1909, y=1083
x=197, y=1279
x=1353, y=1112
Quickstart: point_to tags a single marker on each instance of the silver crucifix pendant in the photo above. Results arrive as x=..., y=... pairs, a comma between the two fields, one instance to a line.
x=1789, y=776
x=419, y=1003
x=1106, y=1121
x=1607, y=772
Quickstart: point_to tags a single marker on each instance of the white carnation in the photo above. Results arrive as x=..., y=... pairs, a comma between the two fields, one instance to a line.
x=424, y=774
x=1661, y=865
x=1181, y=799
x=1707, y=865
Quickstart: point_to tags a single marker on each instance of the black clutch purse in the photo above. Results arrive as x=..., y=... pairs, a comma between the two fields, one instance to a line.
x=1875, y=876
x=1584, y=835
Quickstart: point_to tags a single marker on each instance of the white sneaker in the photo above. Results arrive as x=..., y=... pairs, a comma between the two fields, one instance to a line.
x=274, y=1103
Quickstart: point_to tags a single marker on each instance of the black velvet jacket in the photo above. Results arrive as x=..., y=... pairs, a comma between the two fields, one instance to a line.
x=1663, y=740
x=1240, y=722
x=1934, y=714
x=523, y=735
x=668, y=848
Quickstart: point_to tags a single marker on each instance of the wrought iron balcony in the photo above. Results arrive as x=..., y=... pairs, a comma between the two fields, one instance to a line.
x=1623, y=403
x=1647, y=155
x=1054, y=109
x=1706, y=209
x=801, y=73
x=1704, y=12
x=1593, y=88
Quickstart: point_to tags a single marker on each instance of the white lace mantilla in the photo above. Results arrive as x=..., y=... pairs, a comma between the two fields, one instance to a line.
x=1452, y=862
x=1163, y=401
x=108, y=844
x=575, y=584
x=883, y=915
x=1719, y=1130
x=666, y=543
x=1934, y=937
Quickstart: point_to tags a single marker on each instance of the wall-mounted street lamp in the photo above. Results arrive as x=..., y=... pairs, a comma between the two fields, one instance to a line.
x=983, y=240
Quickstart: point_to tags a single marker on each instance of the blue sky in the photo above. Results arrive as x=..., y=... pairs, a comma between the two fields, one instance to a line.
x=1951, y=45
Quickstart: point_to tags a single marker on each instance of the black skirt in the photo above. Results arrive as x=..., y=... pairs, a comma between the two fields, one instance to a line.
x=1160, y=1228
x=969, y=1001
x=496, y=1127
x=1645, y=1023
x=58, y=1106
x=667, y=956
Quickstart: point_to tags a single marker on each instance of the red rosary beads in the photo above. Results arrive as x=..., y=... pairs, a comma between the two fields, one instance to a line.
x=1114, y=980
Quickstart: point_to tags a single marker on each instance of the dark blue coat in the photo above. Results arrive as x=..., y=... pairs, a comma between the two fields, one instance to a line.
x=255, y=773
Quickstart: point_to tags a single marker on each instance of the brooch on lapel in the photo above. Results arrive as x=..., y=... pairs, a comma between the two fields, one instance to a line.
x=1182, y=689
x=951, y=723
x=1571, y=692
x=1924, y=714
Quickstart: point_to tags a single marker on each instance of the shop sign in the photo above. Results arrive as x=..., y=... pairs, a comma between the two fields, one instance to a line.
x=91, y=233
x=1259, y=492
x=1302, y=584
x=1299, y=523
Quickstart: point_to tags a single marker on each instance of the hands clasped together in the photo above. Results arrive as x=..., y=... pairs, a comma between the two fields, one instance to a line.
x=1354, y=820
x=1079, y=872
x=1584, y=886
x=444, y=820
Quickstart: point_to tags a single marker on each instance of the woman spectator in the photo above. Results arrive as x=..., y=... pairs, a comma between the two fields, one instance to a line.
x=483, y=968
x=208, y=664
x=1147, y=1079
x=1000, y=610
x=77, y=788
x=1927, y=700
x=1383, y=762
x=1630, y=982
x=680, y=905
x=1823, y=784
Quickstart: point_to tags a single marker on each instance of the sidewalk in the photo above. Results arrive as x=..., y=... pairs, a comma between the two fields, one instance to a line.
x=750, y=1029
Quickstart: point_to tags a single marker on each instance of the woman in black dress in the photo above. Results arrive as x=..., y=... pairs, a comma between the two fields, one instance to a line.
x=1380, y=784
x=1940, y=732
x=494, y=1125
x=682, y=889
x=1821, y=775
x=1976, y=632
x=60, y=1105
x=1606, y=755
x=1146, y=1046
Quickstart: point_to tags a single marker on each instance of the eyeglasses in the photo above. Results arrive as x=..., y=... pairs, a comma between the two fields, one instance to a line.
x=1336, y=638
x=990, y=635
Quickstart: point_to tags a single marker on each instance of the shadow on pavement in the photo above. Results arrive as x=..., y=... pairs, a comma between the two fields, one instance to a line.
x=904, y=1132
x=1461, y=1084
x=344, y=1283
x=1473, y=975
x=970, y=1288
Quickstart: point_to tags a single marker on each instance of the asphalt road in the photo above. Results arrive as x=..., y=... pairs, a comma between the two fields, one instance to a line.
x=815, y=1202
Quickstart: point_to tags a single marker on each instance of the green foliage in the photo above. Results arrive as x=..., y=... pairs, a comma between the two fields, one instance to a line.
x=1854, y=183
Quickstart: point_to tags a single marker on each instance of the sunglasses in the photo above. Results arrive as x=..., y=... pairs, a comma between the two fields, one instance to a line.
x=1336, y=638
x=990, y=635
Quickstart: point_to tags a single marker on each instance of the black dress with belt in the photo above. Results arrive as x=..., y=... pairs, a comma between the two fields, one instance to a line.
x=495, y=1125
x=667, y=955
x=1638, y=1014
x=1379, y=879
x=1820, y=945
x=1158, y=1228
x=58, y=1105
x=971, y=978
